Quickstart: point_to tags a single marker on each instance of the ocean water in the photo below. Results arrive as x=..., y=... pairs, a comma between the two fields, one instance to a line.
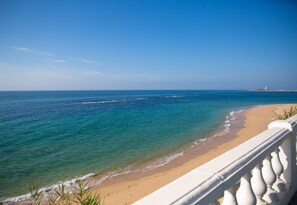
x=49, y=136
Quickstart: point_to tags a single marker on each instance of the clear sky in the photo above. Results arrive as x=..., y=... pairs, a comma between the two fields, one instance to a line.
x=148, y=44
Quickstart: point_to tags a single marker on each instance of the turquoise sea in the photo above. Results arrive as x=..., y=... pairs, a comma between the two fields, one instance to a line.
x=50, y=136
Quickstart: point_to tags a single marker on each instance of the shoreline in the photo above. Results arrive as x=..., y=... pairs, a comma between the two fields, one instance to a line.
x=151, y=166
x=127, y=185
x=130, y=187
x=220, y=135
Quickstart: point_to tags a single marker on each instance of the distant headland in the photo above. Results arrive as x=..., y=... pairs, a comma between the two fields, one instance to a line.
x=266, y=89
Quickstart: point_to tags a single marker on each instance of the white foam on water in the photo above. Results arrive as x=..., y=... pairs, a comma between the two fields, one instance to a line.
x=108, y=101
x=142, y=168
x=229, y=119
x=163, y=161
x=44, y=190
x=101, y=102
x=111, y=174
x=173, y=96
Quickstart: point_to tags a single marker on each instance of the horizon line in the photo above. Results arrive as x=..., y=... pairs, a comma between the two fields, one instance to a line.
x=128, y=90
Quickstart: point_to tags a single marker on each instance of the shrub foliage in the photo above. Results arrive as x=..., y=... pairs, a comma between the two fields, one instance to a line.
x=60, y=196
x=288, y=114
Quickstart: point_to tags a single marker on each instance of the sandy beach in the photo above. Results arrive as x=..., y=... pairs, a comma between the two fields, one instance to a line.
x=128, y=188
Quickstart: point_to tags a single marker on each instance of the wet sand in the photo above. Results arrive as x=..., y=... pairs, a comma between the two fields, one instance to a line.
x=128, y=188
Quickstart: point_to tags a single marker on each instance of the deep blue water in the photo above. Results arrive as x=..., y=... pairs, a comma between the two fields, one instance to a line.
x=58, y=135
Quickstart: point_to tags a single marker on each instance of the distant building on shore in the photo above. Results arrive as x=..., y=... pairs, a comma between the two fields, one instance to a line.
x=263, y=89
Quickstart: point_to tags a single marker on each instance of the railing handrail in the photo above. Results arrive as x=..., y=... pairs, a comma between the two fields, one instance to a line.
x=208, y=182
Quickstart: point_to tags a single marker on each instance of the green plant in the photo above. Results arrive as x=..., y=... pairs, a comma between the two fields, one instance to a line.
x=36, y=194
x=85, y=198
x=81, y=191
x=60, y=196
x=288, y=114
x=92, y=200
x=52, y=199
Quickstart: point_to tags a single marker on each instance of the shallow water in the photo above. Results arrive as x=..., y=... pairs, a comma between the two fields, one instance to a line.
x=58, y=135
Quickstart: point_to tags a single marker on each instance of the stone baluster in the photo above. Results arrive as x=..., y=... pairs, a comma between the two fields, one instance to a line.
x=269, y=178
x=287, y=153
x=285, y=156
x=277, y=166
x=230, y=196
x=245, y=194
x=258, y=184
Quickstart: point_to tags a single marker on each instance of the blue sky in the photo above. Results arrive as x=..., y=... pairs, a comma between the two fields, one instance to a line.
x=147, y=44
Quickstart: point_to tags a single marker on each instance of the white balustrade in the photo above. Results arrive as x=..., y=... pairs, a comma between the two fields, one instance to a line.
x=258, y=184
x=277, y=166
x=230, y=196
x=264, y=166
x=269, y=178
x=245, y=194
x=286, y=159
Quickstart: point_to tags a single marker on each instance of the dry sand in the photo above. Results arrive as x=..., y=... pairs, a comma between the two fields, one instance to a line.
x=126, y=189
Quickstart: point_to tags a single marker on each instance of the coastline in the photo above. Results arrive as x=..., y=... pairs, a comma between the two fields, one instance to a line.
x=130, y=184
x=288, y=91
x=130, y=187
x=144, y=168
